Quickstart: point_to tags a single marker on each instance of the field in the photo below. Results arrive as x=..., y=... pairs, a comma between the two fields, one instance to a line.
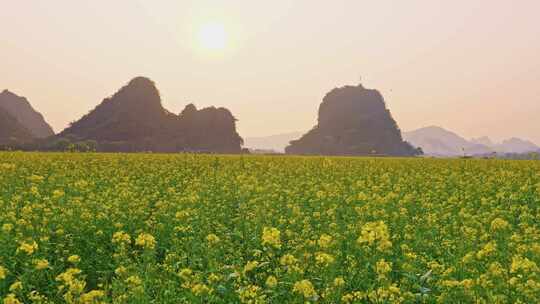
x=143, y=228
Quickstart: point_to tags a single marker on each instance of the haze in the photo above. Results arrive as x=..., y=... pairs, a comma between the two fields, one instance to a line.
x=470, y=66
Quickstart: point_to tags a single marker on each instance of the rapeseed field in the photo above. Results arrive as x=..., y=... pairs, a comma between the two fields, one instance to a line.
x=144, y=228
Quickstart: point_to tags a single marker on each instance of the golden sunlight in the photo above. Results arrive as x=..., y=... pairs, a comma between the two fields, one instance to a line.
x=212, y=36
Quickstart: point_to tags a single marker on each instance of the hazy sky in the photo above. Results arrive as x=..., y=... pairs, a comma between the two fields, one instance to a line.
x=471, y=66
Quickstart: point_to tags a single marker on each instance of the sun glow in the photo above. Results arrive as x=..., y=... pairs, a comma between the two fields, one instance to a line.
x=212, y=36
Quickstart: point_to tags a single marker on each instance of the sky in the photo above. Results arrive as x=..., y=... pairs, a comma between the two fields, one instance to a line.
x=470, y=66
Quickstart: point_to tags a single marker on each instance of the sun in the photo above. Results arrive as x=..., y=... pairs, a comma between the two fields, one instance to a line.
x=212, y=36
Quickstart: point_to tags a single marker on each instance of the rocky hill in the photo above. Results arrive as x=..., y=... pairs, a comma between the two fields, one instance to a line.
x=12, y=132
x=353, y=120
x=134, y=119
x=20, y=109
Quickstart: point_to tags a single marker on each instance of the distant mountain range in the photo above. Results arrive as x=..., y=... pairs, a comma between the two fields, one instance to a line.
x=276, y=143
x=352, y=121
x=436, y=141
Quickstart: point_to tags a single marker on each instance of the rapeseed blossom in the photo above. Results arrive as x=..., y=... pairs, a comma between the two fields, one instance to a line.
x=288, y=260
x=41, y=264
x=250, y=266
x=324, y=259
x=28, y=247
x=212, y=239
x=11, y=299
x=339, y=282
x=265, y=229
x=74, y=259
x=324, y=241
x=375, y=233
x=91, y=296
x=7, y=227
x=305, y=288
x=383, y=268
x=145, y=240
x=200, y=289
x=271, y=281
x=499, y=224
x=487, y=250
x=251, y=295
x=3, y=273
x=17, y=285
x=121, y=237
x=271, y=237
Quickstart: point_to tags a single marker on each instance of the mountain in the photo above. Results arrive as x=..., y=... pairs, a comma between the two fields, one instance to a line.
x=511, y=145
x=484, y=140
x=436, y=141
x=516, y=145
x=275, y=143
x=12, y=132
x=207, y=130
x=20, y=109
x=353, y=120
x=133, y=119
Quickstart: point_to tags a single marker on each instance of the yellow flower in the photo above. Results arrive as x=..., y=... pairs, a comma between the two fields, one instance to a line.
x=324, y=241
x=200, y=289
x=36, y=178
x=271, y=236
x=69, y=278
x=499, y=224
x=375, y=233
x=121, y=237
x=468, y=258
x=134, y=280
x=487, y=250
x=212, y=238
x=288, y=260
x=185, y=274
x=271, y=281
x=28, y=248
x=91, y=296
x=305, y=288
x=524, y=264
x=74, y=259
x=324, y=259
x=11, y=299
x=41, y=264
x=35, y=297
x=15, y=286
x=3, y=273
x=382, y=268
x=145, y=240
x=251, y=294
x=467, y=283
x=120, y=271
x=7, y=227
x=58, y=193
x=250, y=266
x=214, y=278
x=339, y=281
